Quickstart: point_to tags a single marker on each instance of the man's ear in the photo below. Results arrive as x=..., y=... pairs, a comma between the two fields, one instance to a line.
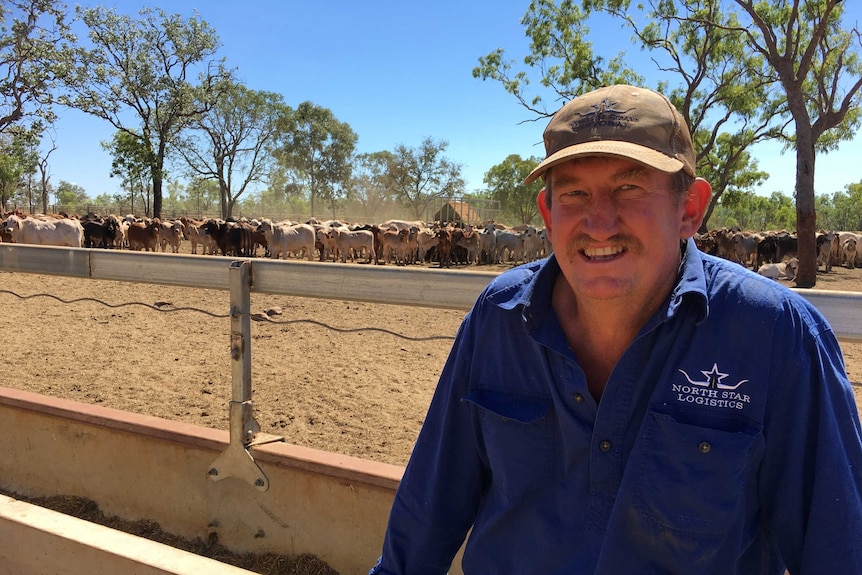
x=694, y=207
x=544, y=209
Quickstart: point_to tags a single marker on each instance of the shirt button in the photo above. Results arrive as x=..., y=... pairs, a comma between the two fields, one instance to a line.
x=579, y=398
x=605, y=445
x=704, y=447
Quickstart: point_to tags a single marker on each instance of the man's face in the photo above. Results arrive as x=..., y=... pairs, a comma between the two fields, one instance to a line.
x=615, y=228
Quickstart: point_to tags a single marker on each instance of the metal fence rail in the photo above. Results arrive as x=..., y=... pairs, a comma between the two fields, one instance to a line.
x=450, y=289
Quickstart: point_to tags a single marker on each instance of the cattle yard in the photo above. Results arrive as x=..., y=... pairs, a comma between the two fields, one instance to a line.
x=328, y=351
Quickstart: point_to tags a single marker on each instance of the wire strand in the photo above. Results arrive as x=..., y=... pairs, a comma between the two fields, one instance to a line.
x=167, y=307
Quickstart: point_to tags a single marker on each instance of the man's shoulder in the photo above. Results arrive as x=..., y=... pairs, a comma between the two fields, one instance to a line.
x=732, y=286
x=514, y=284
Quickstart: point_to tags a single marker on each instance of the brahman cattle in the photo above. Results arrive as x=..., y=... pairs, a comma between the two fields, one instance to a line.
x=786, y=269
x=444, y=247
x=353, y=243
x=395, y=243
x=232, y=238
x=284, y=239
x=100, y=233
x=849, y=249
x=44, y=232
x=143, y=236
x=171, y=233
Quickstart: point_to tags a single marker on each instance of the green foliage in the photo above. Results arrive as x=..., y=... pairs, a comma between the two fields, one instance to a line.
x=417, y=175
x=146, y=69
x=847, y=208
x=133, y=161
x=315, y=154
x=505, y=183
x=202, y=196
x=233, y=143
x=69, y=194
x=35, y=57
x=10, y=175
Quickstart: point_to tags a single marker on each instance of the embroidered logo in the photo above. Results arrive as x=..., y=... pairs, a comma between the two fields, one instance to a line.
x=604, y=114
x=711, y=392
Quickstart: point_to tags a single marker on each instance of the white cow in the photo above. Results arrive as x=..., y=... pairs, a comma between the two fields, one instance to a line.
x=510, y=246
x=286, y=239
x=848, y=247
x=488, y=244
x=533, y=244
x=47, y=232
x=351, y=243
x=786, y=269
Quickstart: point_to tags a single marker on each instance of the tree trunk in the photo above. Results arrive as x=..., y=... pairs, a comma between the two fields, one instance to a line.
x=157, y=193
x=806, y=222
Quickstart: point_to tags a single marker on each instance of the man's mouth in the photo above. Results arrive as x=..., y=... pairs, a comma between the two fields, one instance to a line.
x=605, y=253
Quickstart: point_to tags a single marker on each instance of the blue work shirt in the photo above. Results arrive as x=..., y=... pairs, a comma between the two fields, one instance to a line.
x=727, y=440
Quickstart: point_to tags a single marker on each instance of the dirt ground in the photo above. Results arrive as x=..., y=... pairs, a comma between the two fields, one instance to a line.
x=345, y=377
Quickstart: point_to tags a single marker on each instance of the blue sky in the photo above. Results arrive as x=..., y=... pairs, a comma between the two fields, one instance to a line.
x=396, y=72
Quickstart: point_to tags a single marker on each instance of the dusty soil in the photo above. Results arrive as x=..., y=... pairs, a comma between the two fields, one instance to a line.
x=345, y=377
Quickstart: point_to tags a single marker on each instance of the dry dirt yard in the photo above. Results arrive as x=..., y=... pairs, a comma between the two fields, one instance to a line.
x=346, y=377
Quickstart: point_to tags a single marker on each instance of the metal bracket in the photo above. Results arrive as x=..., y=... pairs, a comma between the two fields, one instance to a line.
x=236, y=460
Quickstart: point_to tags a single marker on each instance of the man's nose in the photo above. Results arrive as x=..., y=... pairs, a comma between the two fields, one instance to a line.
x=601, y=219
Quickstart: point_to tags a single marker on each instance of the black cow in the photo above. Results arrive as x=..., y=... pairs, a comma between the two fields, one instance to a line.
x=100, y=233
x=232, y=238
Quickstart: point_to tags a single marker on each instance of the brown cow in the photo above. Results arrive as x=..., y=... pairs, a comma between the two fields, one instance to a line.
x=444, y=247
x=143, y=236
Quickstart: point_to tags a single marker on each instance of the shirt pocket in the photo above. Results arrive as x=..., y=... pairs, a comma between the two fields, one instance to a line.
x=518, y=439
x=693, y=479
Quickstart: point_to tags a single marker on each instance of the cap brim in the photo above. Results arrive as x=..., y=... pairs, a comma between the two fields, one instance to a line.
x=628, y=150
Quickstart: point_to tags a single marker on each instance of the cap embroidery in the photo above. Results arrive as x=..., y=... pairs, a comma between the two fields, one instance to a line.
x=604, y=114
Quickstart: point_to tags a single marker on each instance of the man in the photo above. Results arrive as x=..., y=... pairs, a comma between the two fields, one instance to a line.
x=631, y=405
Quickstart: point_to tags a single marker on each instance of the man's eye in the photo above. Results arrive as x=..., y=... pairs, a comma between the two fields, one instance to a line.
x=572, y=194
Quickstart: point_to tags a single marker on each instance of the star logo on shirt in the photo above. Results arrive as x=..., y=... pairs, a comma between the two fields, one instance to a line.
x=714, y=377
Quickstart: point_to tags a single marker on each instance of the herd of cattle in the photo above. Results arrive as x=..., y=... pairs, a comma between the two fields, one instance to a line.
x=402, y=242
x=394, y=241
x=773, y=254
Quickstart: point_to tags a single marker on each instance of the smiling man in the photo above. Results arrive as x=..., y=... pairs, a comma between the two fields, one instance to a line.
x=629, y=404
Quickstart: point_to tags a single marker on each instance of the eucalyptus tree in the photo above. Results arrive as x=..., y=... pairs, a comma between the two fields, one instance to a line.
x=814, y=61
x=25, y=147
x=149, y=77
x=368, y=184
x=233, y=143
x=416, y=175
x=202, y=195
x=35, y=56
x=45, y=170
x=315, y=152
x=703, y=70
x=10, y=176
x=132, y=161
x=70, y=195
x=740, y=71
x=505, y=183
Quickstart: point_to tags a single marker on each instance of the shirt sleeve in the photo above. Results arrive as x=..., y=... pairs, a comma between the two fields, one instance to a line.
x=438, y=496
x=812, y=473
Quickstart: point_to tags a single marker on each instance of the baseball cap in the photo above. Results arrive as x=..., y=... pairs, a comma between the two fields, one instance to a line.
x=619, y=120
